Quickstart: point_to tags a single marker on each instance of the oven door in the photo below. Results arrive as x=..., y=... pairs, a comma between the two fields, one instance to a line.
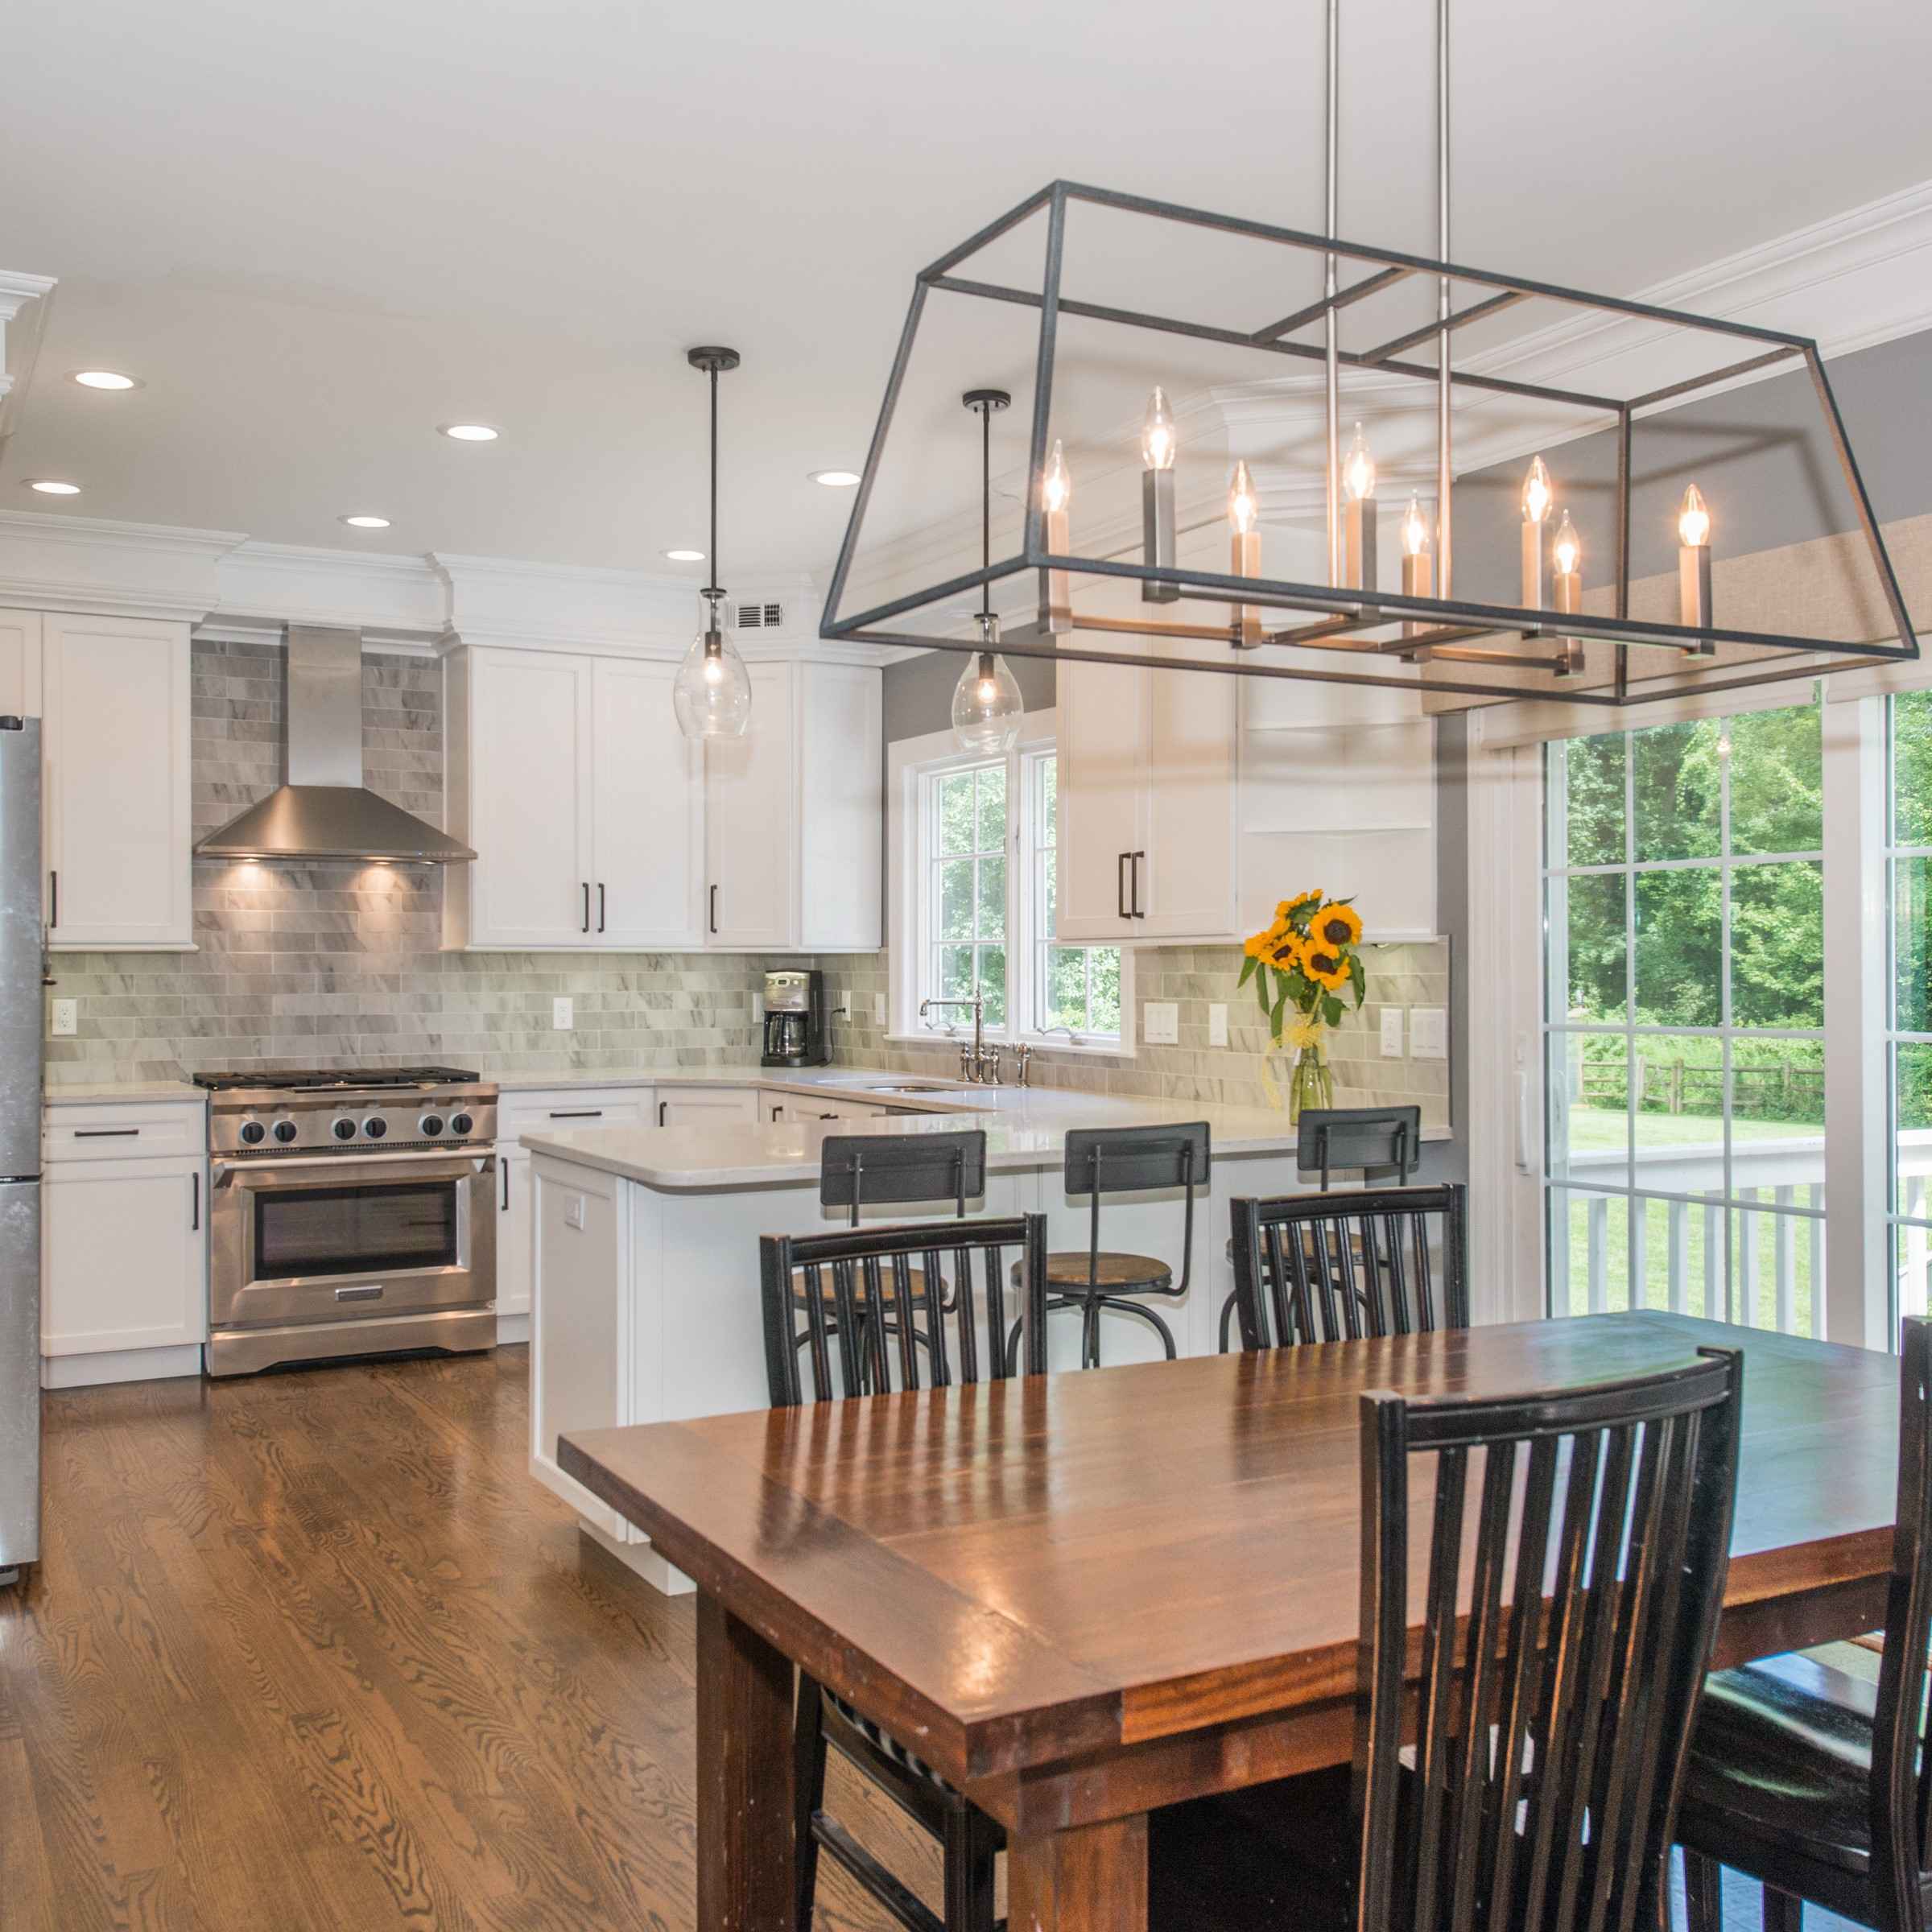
x=331, y=1238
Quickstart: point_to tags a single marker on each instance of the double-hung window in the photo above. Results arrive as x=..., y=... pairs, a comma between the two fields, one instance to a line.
x=978, y=856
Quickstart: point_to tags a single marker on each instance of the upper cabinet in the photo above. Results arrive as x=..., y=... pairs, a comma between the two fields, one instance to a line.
x=117, y=818
x=597, y=826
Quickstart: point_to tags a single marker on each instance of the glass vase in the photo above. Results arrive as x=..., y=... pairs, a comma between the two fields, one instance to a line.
x=1312, y=1082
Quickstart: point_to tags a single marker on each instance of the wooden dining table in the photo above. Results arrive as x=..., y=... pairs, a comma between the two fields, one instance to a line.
x=1082, y=1597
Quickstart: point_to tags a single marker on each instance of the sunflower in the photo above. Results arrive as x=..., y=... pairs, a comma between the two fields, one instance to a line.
x=1325, y=965
x=1257, y=945
x=1303, y=901
x=1337, y=925
x=1284, y=952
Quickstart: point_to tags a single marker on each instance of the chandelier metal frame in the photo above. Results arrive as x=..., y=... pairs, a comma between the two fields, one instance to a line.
x=1456, y=636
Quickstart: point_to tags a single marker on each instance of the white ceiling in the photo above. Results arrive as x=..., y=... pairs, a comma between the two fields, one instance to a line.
x=316, y=234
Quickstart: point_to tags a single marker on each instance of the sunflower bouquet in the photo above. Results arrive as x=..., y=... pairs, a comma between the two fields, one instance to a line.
x=1303, y=964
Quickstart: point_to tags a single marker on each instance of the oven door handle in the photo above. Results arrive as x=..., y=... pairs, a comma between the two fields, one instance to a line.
x=359, y=1167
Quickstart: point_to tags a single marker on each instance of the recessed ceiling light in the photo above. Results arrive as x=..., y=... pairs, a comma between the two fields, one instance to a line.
x=685, y=556
x=47, y=487
x=836, y=479
x=105, y=378
x=470, y=432
x=365, y=523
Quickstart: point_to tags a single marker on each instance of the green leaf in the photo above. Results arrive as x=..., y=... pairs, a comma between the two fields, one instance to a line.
x=1331, y=1010
x=1360, y=980
x=1274, y=1019
x=1248, y=966
x=1261, y=989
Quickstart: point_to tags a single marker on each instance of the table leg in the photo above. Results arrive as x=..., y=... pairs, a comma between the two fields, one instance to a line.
x=744, y=1713
x=1090, y=1878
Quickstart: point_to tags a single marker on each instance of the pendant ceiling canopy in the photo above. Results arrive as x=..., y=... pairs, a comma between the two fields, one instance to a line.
x=1582, y=623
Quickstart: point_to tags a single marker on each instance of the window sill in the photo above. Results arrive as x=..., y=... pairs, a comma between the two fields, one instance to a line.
x=1057, y=1045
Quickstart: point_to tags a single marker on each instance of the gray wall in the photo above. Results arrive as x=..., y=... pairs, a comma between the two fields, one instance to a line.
x=918, y=691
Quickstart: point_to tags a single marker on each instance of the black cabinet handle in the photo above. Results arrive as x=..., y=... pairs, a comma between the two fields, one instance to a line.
x=663, y=1107
x=1140, y=911
x=587, y=904
x=504, y=1168
x=599, y=905
x=194, y=1226
x=578, y=1114
x=714, y=909
x=1120, y=885
x=107, y=1133
x=53, y=882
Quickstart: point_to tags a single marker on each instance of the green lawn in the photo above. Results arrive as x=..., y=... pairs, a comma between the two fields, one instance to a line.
x=1600, y=1129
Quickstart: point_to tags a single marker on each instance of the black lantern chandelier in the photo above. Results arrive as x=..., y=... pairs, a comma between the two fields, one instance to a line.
x=1351, y=629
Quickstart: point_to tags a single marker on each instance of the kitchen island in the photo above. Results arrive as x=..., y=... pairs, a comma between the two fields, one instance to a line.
x=645, y=1289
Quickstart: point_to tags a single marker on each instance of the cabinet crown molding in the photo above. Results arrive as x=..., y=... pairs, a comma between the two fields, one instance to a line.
x=98, y=568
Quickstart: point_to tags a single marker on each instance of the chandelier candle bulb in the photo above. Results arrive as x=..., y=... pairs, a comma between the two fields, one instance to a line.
x=1418, y=570
x=1158, y=547
x=1056, y=493
x=1244, y=543
x=1358, y=516
x=1567, y=551
x=1537, y=497
x=1694, y=568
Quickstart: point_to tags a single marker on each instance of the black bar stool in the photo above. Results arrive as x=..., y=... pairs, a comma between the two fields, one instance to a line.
x=1126, y=1160
x=1384, y=1142
x=878, y=1170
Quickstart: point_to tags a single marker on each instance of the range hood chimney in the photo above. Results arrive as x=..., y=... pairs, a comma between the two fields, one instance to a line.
x=323, y=809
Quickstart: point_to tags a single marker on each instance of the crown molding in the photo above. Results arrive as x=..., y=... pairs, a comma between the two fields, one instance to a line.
x=17, y=289
x=275, y=583
x=103, y=568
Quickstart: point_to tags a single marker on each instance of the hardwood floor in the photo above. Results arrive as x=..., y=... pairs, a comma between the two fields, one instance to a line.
x=312, y=1653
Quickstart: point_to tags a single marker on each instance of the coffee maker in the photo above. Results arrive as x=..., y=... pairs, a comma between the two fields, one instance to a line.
x=795, y=1020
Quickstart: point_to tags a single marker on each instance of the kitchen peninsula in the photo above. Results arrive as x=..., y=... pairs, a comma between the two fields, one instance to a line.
x=645, y=1296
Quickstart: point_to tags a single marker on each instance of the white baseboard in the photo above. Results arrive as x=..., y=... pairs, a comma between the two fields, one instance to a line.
x=119, y=1365
x=642, y=1558
x=512, y=1328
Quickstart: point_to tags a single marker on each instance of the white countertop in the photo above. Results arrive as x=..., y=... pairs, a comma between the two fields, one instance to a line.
x=1028, y=1130
x=92, y=1093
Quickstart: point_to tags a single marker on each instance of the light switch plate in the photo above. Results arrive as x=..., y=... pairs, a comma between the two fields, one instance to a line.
x=1392, y=1033
x=1160, y=1023
x=562, y=1014
x=879, y=1007
x=1429, y=1033
x=66, y=1020
x=1217, y=1025
x=573, y=1212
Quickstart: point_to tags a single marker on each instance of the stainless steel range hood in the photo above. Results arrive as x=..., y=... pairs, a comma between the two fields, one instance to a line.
x=324, y=811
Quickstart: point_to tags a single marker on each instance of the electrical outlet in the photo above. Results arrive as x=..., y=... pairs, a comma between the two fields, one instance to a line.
x=879, y=1007
x=573, y=1212
x=563, y=1013
x=1160, y=1023
x=1217, y=1025
x=1392, y=1033
x=67, y=1019
x=841, y=1008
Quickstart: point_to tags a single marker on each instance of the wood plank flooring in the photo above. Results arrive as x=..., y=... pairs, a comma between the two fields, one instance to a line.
x=312, y=1653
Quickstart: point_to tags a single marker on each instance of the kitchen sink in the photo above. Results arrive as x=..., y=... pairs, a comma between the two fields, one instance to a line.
x=910, y=1087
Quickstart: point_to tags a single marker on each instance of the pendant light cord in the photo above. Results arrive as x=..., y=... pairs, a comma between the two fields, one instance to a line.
x=711, y=589
x=985, y=508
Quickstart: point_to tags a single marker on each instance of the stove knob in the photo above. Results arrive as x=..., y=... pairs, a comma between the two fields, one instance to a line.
x=343, y=1130
x=375, y=1126
x=431, y=1125
x=460, y=1123
x=253, y=1133
x=286, y=1131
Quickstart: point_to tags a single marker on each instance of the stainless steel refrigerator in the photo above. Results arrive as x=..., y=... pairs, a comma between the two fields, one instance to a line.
x=22, y=955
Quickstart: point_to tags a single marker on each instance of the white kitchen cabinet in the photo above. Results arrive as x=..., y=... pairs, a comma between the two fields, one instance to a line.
x=117, y=818
x=1149, y=786
x=647, y=812
x=751, y=820
x=598, y=827
x=705, y=1106
x=20, y=664
x=512, y=1233
x=794, y=1108
x=124, y=1242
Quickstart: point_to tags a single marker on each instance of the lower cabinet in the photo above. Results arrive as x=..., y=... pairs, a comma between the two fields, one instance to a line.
x=705, y=1106
x=797, y=1107
x=124, y=1265
x=513, y=1231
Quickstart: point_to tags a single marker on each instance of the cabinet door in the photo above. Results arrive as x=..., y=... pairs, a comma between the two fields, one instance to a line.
x=20, y=664
x=647, y=812
x=1184, y=883
x=751, y=833
x=124, y=1258
x=1102, y=729
x=118, y=820
x=512, y=1232
x=706, y=1106
x=529, y=729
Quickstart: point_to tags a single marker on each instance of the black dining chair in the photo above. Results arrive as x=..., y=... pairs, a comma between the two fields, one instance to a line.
x=1813, y=1780
x=876, y=1319
x=858, y=1170
x=1335, y=1267
x=1383, y=1144
x=1526, y=1779
x=1101, y=1160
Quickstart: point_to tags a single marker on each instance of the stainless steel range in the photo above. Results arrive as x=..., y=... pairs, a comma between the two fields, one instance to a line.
x=351, y=1212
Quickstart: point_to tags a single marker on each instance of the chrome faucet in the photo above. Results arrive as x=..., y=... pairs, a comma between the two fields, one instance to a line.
x=979, y=1063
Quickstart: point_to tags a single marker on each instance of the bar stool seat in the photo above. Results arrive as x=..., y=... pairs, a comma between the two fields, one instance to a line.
x=1120, y=1273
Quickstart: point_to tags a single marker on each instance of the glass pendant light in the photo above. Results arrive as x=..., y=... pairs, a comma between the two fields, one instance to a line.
x=712, y=694
x=987, y=706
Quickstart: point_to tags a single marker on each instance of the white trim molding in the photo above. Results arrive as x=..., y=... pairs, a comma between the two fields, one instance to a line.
x=102, y=568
